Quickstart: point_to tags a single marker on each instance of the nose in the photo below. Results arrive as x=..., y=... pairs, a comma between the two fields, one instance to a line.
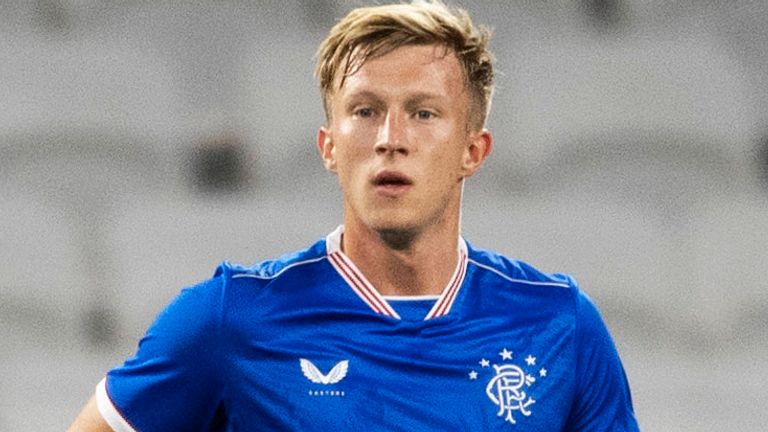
x=391, y=137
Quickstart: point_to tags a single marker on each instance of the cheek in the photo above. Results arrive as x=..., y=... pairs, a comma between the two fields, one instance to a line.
x=350, y=161
x=343, y=129
x=352, y=140
x=448, y=158
x=348, y=156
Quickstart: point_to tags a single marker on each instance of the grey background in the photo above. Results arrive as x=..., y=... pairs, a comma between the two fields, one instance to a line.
x=630, y=151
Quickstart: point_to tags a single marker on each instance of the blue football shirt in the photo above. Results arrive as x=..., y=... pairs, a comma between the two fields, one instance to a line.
x=306, y=343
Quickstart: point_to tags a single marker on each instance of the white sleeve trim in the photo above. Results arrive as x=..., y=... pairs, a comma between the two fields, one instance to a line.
x=108, y=410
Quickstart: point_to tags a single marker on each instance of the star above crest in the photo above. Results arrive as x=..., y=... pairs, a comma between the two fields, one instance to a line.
x=506, y=354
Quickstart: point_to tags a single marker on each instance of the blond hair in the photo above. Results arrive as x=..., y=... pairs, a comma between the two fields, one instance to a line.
x=371, y=32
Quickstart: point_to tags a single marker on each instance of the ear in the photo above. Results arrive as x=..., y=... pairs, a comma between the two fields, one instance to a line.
x=477, y=150
x=326, y=148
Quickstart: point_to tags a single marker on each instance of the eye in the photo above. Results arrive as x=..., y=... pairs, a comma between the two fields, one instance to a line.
x=364, y=112
x=424, y=115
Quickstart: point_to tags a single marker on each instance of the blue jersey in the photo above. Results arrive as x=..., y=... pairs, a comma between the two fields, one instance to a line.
x=306, y=343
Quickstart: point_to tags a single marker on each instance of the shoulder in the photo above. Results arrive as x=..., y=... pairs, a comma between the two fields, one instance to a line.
x=230, y=282
x=505, y=282
x=516, y=272
x=520, y=276
x=212, y=306
x=269, y=270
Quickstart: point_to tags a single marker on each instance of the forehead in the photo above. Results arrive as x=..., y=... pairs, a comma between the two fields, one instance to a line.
x=431, y=69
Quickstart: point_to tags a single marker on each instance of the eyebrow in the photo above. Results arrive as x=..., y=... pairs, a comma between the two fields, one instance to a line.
x=364, y=94
x=413, y=100
x=421, y=97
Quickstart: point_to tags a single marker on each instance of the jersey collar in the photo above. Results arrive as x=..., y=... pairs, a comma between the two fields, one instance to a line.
x=368, y=293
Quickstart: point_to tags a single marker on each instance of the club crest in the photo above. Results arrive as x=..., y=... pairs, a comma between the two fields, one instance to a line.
x=509, y=384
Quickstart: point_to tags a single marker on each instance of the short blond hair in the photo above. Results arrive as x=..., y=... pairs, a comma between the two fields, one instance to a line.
x=371, y=32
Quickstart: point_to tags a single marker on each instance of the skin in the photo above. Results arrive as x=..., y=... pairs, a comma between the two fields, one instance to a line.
x=404, y=115
x=90, y=419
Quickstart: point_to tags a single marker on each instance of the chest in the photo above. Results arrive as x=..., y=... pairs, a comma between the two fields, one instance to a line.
x=349, y=373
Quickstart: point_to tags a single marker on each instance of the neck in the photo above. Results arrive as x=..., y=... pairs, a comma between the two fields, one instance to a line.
x=404, y=262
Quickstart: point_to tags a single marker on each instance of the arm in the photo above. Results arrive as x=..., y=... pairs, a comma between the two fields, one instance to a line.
x=90, y=419
x=603, y=401
x=173, y=382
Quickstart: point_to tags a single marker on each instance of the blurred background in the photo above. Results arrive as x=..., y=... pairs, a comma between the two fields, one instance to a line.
x=143, y=142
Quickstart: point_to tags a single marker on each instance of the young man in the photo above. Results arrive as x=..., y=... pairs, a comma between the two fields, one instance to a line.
x=393, y=321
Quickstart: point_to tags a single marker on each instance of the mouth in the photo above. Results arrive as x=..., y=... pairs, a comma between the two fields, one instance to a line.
x=391, y=182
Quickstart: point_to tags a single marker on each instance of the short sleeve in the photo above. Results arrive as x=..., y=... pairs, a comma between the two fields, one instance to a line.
x=603, y=401
x=173, y=381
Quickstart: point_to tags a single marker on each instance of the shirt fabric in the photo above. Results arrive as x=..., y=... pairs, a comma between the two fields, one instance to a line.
x=305, y=342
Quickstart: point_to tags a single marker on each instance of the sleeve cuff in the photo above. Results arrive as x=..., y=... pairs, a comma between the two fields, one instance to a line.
x=108, y=410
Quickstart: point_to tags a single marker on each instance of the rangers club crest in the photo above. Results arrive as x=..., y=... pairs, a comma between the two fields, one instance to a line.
x=508, y=384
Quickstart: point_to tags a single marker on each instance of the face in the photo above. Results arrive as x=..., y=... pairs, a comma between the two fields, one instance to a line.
x=399, y=140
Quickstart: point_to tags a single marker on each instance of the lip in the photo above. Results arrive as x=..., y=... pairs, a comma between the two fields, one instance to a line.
x=391, y=183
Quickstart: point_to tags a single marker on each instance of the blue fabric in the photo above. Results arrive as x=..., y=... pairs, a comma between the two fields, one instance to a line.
x=412, y=310
x=287, y=345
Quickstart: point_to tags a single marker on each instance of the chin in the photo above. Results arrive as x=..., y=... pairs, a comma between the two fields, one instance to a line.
x=396, y=232
x=393, y=227
x=388, y=220
x=398, y=238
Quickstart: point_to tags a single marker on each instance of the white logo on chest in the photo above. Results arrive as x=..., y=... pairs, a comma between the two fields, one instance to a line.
x=336, y=374
x=507, y=388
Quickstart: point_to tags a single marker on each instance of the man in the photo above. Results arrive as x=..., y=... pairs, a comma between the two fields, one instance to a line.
x=393, y=321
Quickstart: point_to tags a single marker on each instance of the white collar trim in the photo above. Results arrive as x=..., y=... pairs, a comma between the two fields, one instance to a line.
x=368, y=293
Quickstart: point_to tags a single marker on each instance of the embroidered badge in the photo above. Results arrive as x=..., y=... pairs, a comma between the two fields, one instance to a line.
x=336, y=374
x=508, y=387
